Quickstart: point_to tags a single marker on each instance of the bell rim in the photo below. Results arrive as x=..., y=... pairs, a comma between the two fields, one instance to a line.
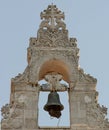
x=47, y=105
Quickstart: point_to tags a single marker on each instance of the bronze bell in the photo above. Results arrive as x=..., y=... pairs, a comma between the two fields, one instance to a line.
x=54, y=106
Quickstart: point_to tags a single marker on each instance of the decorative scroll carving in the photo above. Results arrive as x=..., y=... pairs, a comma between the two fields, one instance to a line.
x=44, y=24
x=48, y=39
x=9, y=110
x=52, y=31
x=22, y=77
x=60, y=25
x=9, y=113
x=73, y=42
x=5, y=111
x=53, y=83
x=86, y=77
x=102, y=109
x=96, y=115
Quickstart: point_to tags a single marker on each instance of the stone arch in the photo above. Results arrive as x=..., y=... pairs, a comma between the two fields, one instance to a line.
x=55, y=65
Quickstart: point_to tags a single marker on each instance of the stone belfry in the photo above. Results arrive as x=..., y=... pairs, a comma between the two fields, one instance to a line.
x=53, y=56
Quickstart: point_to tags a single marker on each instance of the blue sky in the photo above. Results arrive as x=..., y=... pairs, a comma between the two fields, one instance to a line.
x=87, y=20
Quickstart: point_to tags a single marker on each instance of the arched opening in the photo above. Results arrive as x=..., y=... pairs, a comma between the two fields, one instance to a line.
x=58, y=68
x=55, y=65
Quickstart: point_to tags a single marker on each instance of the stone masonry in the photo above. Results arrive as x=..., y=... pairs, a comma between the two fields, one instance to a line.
x=53, y=56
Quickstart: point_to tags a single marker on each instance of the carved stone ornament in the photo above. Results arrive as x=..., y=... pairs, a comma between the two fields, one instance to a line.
x=53, y=83
x=96, y=116
x=52, y=31
x=83, y=77
x=52, y=18
x=5, y=111
x=10, y=113
x=47, y=38
x=24, y=77
x=9, y=110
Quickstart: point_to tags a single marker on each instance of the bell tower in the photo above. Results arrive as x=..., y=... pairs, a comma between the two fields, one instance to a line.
x=53, y=56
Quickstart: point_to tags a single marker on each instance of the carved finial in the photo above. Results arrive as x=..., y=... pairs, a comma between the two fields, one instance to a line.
x=52, y=12
x=52, y=18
